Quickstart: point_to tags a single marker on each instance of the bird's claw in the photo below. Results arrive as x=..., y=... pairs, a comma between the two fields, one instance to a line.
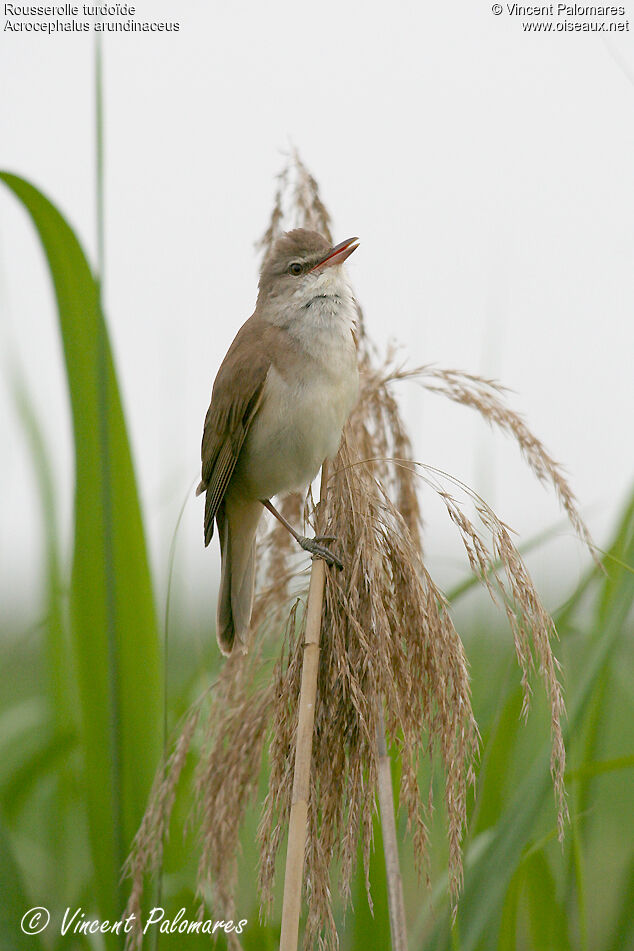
x=317, y=550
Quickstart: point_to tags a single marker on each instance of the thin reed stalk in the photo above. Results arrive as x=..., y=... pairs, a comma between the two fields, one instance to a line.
x=298, y=821
x=395, y=900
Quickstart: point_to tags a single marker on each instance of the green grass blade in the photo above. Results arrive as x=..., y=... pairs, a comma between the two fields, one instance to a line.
x=49, y=756
x=366, y=928
x=57, y=646
x=614, y=605
x=600, y=767
x=623, y=937
x=507, y=940
x=114, y=629
x=618, y=584
x=547, y=917
x=487, y=881
x=63, y=700
x=472, y=580
x=14, y=902
x=493, y=773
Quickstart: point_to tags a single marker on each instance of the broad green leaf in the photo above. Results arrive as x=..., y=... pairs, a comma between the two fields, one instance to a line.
x=114, y=631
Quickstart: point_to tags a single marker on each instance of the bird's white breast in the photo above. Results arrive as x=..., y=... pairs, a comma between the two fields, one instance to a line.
x=306, y=405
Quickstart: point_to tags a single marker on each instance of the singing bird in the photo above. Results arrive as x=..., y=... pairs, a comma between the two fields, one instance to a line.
x=278, y=407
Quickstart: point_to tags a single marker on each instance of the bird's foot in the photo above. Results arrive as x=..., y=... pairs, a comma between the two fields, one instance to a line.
x=318, y=550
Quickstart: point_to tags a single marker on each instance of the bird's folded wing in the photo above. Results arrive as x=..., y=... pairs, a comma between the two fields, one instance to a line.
x=235, y=400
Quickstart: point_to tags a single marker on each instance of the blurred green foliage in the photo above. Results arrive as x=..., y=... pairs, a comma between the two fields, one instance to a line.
x=112, y=643
x=81, y=722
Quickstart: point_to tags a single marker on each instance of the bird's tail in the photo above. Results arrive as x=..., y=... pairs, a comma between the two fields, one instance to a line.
x=237, y=526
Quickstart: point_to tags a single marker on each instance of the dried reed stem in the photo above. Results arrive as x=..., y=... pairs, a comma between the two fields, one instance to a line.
x=396, y=902
x=298, y=822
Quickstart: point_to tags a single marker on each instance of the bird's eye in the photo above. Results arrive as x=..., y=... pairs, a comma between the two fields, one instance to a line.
x=295, y=268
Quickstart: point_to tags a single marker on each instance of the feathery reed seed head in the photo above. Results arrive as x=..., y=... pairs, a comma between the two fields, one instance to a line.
x=389, y=648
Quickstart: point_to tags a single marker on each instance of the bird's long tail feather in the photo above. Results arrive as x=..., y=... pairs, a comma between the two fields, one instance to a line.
x=237, y=526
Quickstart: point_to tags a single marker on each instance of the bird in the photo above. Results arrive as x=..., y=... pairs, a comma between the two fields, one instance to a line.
x=278, y=406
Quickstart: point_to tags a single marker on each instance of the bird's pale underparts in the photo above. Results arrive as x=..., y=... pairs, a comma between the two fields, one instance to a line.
x=279, y=403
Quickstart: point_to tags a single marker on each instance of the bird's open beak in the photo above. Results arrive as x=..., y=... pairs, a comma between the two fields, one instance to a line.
x=338, y=254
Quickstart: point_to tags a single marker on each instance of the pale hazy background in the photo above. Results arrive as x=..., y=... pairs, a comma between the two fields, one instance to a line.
x=488, y=173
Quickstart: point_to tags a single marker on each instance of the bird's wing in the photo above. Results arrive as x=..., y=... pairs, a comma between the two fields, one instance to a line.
x=237, y=394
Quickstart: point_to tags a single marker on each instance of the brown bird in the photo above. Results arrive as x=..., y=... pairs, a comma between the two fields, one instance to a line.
x=279, y=404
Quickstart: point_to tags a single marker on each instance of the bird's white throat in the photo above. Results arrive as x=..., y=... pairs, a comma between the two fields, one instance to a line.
x=321, y=311
x=307, y=401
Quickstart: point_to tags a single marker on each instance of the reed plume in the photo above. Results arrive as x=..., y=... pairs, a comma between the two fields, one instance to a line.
x=390, y=652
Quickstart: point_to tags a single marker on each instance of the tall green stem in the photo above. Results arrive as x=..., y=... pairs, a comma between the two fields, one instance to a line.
x=104, y=438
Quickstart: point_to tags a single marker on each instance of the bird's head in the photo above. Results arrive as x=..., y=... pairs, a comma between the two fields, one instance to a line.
x=302, y=266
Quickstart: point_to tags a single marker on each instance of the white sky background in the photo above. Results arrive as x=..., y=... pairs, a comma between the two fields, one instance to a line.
x=488, y=173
